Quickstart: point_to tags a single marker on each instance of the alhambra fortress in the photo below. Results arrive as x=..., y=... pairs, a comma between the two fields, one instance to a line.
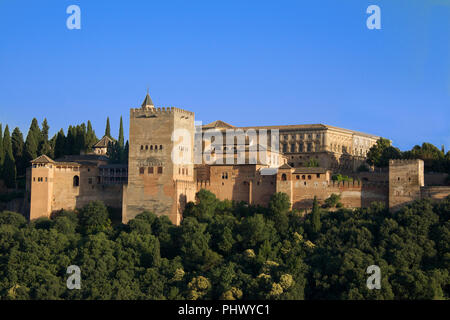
x=153, y=181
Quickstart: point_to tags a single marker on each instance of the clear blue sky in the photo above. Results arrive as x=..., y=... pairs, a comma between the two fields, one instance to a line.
x=244, y=62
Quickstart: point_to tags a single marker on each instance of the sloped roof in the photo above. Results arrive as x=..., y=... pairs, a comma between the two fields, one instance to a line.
x=147, y=101
x=217, y=124
x=103, y=142
x=42, y=159
x=285, y=166
x=310, y=170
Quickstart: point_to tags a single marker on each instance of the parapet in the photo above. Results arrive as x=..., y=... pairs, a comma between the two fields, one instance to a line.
x=402, y=162
x=150, y=112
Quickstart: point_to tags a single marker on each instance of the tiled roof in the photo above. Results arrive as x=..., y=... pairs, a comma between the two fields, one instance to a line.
x=103, y=142
x=42, y=159
x=310, y=170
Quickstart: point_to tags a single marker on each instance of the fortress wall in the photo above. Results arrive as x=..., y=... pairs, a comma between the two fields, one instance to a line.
x=435, y=192
x=435, y=179
x=353, y=195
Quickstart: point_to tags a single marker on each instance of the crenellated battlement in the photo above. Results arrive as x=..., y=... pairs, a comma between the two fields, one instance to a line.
x=402, y=162
x=149, y=111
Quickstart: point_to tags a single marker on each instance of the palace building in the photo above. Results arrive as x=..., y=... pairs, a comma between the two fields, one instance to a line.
x=170, y=159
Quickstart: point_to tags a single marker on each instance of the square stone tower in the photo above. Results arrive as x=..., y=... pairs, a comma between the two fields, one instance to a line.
x=406, y=177
x=160, y=163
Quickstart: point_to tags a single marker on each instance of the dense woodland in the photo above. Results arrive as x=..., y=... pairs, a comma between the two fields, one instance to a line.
x=226, y=250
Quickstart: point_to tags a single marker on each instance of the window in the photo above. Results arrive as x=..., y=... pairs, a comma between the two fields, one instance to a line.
x=34, y=179
x=309, y=177
x=318, y=175
x=303, y=177
x=283, y=177
x=160, y=170
x=284, y=147
x=146, y=147
x=297, y=177
x=160, y=147
x=142, y=147
x=151, y=147
x=141, y=170
x=156, y=147
x=90, y=180
x=300, y=148
x=293, y=147
x=309, y=147
x=150, y=170
x=76, y=181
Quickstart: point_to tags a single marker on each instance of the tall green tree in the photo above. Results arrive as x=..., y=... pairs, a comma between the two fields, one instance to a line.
x=315, y=214
x=91, y=138
x=9, y=165
x=121, y=138
x=18, y=146
x=108, y=128
x=32, y=142
x=44, y=144
x=60, y=144
x=2, y=155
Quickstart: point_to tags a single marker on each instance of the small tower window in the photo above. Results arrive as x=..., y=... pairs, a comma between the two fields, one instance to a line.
x=283, y=177
x=76, y=181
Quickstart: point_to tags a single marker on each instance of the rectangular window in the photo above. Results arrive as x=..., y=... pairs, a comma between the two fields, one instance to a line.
x=318, y=175
x=141, y=170
x=90, y=180
x=160, y=169
x=150, y=170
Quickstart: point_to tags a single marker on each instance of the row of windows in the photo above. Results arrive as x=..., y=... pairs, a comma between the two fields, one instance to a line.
x=283, y=177
x=147, y=147
x=301, y=147
x=150, y=170
x=300, y=136
x=39, y=179
x=183, y=171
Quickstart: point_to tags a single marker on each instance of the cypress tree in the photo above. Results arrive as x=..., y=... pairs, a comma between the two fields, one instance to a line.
x=44, y=145
x=316, y=224
x=70, y=141
x=9, y=165
x=108, y=128
x=60, y=144
x=18, y=146
x=91, y=138
x=32, y=142
x=121, y=138
x=2, y=156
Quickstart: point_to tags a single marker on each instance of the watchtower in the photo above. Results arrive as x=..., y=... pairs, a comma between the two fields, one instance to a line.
x=160, y=163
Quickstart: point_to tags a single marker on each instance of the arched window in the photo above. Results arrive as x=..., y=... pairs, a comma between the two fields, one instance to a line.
x=160, y=147
x=76, y=181
x=151, y=147
x=283, y=177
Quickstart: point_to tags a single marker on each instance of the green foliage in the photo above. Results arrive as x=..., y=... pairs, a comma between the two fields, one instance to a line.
x=332, y=201
x=315, y=216
x=313, y=163
x=339, y=177
x=8, y=172
x=234, y=252
x=108, y=128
